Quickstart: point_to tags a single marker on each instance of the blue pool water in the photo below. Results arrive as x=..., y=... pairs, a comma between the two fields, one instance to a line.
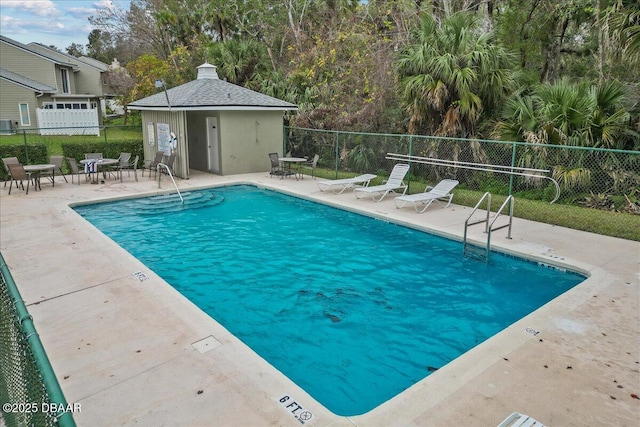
x=352, y=309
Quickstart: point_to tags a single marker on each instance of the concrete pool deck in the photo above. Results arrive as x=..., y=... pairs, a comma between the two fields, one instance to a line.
x=132, y=351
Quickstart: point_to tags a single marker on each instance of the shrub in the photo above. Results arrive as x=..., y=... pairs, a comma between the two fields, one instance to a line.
x=26, y=154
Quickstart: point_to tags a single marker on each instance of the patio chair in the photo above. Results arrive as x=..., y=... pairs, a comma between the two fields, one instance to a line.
x=19, y=175
x=312, y=165
x=93, y=155
x=76, y=171
x=520, y=420
x=169, y=163
x=57, y=170
x=9, y=161
x=339, y=186
x=276, y=168
x=395, y=182
x=153, y=165
x=133, y=166
x=421, y=201
x=124, y=158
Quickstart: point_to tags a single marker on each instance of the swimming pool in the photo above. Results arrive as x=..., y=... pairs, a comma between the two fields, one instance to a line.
x=353, y=309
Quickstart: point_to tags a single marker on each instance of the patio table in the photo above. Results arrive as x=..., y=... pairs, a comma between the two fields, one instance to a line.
x=99, y=163
x=287, y=162
x=41, y=168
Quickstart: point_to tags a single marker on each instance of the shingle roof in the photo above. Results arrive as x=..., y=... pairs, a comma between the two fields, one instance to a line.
x=52, y=53
x=208, y=93
x=25, y=81
x=94, y=62
x=35, y=52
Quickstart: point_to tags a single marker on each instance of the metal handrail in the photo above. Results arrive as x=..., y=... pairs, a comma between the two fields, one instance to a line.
x=486, y=196
x=170, y=175
x=509, y=200
x=63, y=417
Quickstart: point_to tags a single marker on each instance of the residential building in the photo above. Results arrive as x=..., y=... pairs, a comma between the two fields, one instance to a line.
x=47, y=90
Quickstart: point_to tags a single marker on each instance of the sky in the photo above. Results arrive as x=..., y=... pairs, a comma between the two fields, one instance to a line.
x=51, y=22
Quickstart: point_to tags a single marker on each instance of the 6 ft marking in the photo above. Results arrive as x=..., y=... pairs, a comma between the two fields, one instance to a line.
x=295, y=409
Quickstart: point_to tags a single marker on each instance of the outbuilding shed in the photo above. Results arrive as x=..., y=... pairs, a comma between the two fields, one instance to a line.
x=213, y=125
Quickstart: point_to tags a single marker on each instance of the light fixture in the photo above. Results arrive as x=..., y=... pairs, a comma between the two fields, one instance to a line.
x=160, y=84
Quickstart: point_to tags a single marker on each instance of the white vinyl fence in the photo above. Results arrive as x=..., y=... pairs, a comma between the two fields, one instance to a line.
x=68, y=122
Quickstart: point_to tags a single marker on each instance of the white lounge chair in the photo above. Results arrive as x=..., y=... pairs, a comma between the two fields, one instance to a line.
x=339, y=186
x=520, y=420
x=421, y=201
x=395, y=182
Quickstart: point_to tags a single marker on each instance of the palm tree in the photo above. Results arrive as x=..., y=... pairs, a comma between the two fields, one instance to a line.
x=453, y=75
x=566, y=113
x=238, y=60
x=622, y=20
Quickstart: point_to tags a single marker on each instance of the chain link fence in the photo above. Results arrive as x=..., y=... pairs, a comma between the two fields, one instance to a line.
x=27, y=138
x=29, y=392
x=31, y=146
x=591, y=189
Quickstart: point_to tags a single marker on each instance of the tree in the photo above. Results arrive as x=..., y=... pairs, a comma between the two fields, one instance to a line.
x=238, y=60
x=622, y=27
x=566, y=113
x=102, y=46
x=453, y=76
x=136, y=29
x=361, y=66
x=120, y=81
x=138, y=79
x=75, y=49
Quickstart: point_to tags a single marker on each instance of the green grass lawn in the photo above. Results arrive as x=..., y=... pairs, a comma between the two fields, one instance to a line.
x=615, y=224
x=608, y=223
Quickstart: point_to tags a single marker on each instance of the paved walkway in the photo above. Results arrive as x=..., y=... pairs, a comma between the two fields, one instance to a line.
x=127, y=350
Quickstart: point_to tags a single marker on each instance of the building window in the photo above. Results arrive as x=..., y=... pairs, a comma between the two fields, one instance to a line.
x=25, y=118
x=65, y=80
x=65, y=105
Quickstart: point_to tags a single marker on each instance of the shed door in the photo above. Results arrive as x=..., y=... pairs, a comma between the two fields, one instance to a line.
x=213, y=145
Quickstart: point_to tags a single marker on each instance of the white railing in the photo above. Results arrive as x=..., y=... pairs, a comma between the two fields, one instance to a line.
x=510, y=170
x=68, y=122
x=168, y=169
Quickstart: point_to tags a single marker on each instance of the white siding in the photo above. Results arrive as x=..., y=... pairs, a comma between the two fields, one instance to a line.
x=177, y=125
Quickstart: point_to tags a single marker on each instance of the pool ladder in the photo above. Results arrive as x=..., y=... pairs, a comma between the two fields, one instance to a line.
x=480, y=253
x=168, y=169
